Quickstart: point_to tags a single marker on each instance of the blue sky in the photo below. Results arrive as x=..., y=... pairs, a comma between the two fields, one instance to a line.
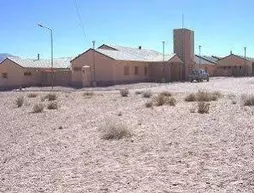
x=219, y=25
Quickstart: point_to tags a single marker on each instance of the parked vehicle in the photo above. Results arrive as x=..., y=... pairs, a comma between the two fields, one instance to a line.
x=198, y=75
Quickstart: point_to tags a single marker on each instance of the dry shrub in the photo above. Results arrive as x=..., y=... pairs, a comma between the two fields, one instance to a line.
x=149, y=104
x=20, y=101
x=172, y=101
x=147, y=94
x=191, y=97
x=166, y=93
x=51, y=97
x=206, y=96
x=161, y=99
x=88, y=94
x=248, y=100
x=38, y=108
x=218, y=94
x=124, y=92
x=32, y=95
x=115, y=131
x=52, y=106
x=203, y=107
x=139, y=92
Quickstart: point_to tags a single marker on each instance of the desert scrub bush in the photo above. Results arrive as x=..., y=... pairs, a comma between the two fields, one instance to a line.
x=161, y=99
x=124, y=92
x=147, y=94
x=32, y=95
x=88, y=94
x=203, y=107
x=166, y=93
x=20, y=101
x=191, y=97
x=248, y=100
x=52, y=105
x=115, y=131
x=149, y=104
x=206, y=96
x=51, y=97
x=172, y=101
x=38, y=108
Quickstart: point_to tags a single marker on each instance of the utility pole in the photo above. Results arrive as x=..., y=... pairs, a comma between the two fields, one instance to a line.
x=245, y=61
x=52, y=52
x=163, y=59
x=199, y=47
x=94, y=80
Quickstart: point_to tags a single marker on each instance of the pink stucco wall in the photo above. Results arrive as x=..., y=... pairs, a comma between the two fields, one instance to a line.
x=103, y=67
x=234, y=66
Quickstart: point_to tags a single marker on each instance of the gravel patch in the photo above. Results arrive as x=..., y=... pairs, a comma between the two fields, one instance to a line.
x=170, y=150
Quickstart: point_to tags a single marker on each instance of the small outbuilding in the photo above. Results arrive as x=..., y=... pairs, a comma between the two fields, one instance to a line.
x=17, y=72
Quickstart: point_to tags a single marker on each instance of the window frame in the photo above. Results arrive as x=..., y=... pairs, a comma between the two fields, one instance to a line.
x=136, y=70
x=126, y=70
x=5, y=75
x=28, y=73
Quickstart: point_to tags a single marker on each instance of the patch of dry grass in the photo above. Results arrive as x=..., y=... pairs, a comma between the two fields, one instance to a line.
x=149, y=104
x=191, y=97
x=163, y=99
x=248, y=100
x=166, y=93
x=115, y=131
x=32, y=95
x=20, y=101
x=38, y=108
x=52, y=105
x=147, y=94
x=51, y=97
x=124, y=92
x=203, y=96
x=203, y=107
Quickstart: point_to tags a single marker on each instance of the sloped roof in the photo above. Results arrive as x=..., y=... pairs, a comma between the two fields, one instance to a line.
x=133, y=54
x=42, y=63
x=203, y=60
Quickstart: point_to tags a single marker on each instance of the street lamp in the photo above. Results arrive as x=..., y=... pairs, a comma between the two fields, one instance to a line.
x=51, y=39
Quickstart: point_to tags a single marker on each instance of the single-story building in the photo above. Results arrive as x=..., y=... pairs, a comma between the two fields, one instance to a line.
x=234, y=65
x=16, y=72
x=108, y=65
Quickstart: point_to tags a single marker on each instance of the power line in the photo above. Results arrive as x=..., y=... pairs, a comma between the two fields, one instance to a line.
x=80, y=20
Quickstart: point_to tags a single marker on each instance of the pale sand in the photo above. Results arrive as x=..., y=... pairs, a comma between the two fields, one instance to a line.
x=172, y=150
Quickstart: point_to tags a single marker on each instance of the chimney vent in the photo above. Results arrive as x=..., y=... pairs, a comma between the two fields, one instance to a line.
x=140, y=47
x=38, y=56
x=231, y=52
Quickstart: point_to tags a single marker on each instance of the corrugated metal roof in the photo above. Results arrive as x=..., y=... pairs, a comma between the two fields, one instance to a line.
x=134, y=54
x=42, y=63
x=202, y=60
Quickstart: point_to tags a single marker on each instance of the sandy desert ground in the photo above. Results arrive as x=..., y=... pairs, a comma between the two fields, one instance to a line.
x=171, y=150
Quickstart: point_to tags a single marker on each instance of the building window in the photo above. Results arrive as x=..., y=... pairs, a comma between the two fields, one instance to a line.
x=126, y=70
x=145, y=71
x=136, y=70
x=240, y=67
x=225, y=68
x=4, y=75
x=27, y=73
x=77, y=68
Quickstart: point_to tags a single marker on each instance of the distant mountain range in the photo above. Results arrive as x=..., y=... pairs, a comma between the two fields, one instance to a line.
x=4, y=55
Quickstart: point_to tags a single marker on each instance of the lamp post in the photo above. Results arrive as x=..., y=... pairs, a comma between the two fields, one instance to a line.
x=52, y=60
x=199, y=47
